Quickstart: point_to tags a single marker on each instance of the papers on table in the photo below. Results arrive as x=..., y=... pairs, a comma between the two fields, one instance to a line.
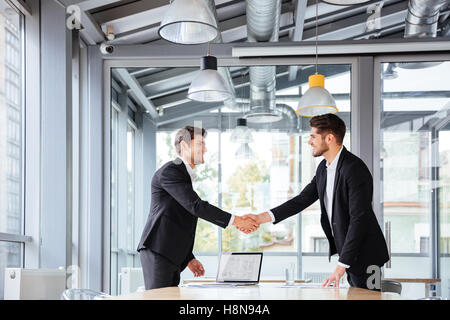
x=217, y=285
x=311, y=286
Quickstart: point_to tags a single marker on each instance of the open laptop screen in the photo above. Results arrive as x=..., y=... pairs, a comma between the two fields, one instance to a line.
x=239, y=267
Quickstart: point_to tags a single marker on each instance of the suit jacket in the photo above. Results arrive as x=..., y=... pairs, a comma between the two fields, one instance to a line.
x=358, y=238
x=174, y=210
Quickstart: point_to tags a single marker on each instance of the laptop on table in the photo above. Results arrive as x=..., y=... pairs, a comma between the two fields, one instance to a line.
x=237, y=269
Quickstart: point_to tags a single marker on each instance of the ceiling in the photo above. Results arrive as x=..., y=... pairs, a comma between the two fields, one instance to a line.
x=162, y=91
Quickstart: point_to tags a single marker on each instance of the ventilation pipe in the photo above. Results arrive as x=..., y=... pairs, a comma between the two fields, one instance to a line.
x=422, y=22
x=292, y=117
x=263, y=24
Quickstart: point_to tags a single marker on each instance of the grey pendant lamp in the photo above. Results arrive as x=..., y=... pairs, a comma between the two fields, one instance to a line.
x=188, y=22
x=209, y=85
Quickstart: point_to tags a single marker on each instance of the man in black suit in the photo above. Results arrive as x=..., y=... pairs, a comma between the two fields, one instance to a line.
x=168, y=238
x=344, y=186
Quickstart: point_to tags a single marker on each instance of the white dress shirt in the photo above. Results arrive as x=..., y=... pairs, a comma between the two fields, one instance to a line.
x=193, y=176
x=329, y=191
x=328, y=200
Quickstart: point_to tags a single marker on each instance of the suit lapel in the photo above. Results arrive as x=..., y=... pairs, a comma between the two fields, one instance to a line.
x=336, y=178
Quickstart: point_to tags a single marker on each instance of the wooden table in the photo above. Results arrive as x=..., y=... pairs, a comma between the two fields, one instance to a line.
x=263, y=291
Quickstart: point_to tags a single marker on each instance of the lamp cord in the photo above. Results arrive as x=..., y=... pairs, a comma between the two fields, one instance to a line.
x=317, y=18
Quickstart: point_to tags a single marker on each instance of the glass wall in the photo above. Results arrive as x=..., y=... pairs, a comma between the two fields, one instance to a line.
x=278, y=166
x=11, y=138
x=123, y=194
x=413, y=163
x=444, y=205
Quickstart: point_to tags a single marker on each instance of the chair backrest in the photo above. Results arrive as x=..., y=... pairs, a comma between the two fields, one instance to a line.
x=391, y=286
x=83, y=294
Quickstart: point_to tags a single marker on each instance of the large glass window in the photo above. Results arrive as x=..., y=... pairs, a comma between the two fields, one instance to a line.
x=123, y=194
x=444, y=206
x=11, y=138
x=277, y=165
x=206, y=183
x=413, y=152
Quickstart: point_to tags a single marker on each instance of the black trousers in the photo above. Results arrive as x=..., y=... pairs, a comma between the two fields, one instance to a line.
x=159, y=272
x=359, y=280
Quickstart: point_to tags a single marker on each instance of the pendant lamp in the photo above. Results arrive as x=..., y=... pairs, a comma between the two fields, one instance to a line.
x=209, y=85
x=244, y=152
x=188, y=22
x=316, y=100
x=241, y=133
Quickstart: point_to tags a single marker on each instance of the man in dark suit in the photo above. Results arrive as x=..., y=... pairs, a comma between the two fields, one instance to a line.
x=168, y=238
x=344, y=186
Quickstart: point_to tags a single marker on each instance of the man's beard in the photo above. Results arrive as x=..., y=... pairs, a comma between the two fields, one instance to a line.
x=320, y=152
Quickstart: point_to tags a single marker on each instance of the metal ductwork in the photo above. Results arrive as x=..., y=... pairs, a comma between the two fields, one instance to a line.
x=422, y=18
x=292, y=117
x=422, y=22
x=263, y=24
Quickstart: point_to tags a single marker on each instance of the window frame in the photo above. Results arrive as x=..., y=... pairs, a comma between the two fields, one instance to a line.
x=434, y=253
x=109, y=64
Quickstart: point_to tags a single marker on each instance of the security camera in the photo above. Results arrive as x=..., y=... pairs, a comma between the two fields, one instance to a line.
x=106, y=48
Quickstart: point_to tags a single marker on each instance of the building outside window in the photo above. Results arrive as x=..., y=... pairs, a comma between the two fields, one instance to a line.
x=11, y=138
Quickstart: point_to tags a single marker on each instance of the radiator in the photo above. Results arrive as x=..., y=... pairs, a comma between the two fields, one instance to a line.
x=130, y=280
x=34, y=284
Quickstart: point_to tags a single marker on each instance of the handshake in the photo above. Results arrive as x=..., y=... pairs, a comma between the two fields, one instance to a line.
x=250, y=222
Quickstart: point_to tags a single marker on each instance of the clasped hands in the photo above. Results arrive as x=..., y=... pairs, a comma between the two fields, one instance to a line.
x=250, y=222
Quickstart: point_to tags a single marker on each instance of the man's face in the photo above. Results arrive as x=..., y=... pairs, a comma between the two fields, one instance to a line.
x=317, y=142
x=198, y=149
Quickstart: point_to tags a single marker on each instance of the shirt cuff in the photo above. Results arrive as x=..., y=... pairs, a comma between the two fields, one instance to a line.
x=231, y=220
x=343, y=265
x=271, y=216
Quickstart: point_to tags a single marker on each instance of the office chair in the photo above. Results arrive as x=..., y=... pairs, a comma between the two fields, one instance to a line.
x=83, y=294
x=391, y=286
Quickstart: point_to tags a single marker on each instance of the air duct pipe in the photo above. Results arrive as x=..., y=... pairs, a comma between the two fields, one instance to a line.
x=421, y=22
x=263, y=24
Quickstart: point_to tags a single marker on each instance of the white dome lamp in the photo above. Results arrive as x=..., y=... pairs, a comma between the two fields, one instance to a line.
x=316, y=100
x=188, y=22
x=208, y=85
x=241, y=133
x=244, y=152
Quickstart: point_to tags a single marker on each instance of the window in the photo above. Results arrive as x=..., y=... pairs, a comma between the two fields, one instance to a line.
x=11, y=139
x=280, y=166
x=414, y=151
x=123, y=201
x=257, y=184
x=321, y=244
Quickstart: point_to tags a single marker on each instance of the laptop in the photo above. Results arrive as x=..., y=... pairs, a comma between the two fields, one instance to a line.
x=237, y=269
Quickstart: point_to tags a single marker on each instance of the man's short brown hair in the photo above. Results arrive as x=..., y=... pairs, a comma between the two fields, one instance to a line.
x=329, y=123
x=186, y=134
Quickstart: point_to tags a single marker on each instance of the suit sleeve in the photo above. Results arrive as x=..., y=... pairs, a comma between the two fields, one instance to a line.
x=307, y=197
x=185, y=262
x=360, y=187
x=180, y=188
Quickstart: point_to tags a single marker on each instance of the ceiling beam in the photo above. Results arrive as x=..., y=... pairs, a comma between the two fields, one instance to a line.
x=297, y=34
x=134, y=85
x=87, y=5
x=185, y=111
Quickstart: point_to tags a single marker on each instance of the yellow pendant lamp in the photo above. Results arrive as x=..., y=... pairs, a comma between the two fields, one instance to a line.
x=316, y=100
